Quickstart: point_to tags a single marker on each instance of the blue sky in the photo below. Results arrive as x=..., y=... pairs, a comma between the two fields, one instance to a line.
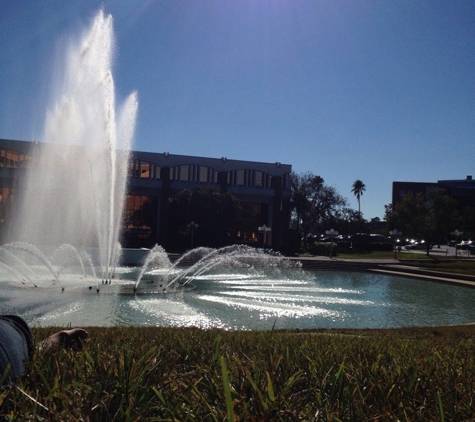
x=372, y=90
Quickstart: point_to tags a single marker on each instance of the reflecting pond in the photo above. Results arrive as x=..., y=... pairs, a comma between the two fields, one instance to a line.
x=301, y=300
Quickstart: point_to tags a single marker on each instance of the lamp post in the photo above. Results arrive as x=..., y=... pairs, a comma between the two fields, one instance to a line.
x=456, y=233
x=264, y=230
x=395, y=233
x=331, y=233
x=192, y=226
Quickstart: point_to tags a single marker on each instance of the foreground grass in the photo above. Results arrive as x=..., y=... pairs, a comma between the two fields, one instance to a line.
x=157, y=374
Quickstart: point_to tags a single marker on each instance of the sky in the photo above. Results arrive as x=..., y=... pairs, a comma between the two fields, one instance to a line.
x=379, y=91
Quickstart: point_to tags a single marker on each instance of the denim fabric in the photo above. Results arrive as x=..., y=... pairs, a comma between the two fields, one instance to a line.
x=16, y=346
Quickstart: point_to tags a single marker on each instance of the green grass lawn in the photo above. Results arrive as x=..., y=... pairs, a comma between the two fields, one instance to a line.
x=172, y=374
x=433, y=261
x=402, y=256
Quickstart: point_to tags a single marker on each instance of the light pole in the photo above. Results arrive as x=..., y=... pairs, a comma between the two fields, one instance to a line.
x=331, y=233
x=395, y=233
x=192, y=226
x=456, y=233
x=264, y=230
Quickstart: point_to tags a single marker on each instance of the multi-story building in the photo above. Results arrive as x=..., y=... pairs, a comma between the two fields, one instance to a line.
x=462, y=190
x=262, y=189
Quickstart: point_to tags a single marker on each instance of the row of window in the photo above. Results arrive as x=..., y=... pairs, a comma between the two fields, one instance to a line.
x=193, y=173
x=14, y=159
x=250, y=178
x=182, y=173
x=202, y=174
x=144, y=170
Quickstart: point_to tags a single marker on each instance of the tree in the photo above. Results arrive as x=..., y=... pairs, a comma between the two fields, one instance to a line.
x=358, y=188
x=442, y=216
x=409, y=216
x=349, y=221
x=432, y=220
x=467, y=221
x=314, y=204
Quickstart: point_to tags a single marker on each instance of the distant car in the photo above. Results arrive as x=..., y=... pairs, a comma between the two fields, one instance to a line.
x=452, y=243
x=465, y=244
x=417, y=245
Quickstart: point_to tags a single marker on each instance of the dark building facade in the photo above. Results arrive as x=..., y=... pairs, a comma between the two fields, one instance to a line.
x=155, y=179
x=462, y=190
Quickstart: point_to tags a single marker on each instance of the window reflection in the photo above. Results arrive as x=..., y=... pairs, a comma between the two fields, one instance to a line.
x=203, y=175
x=14, y=159
x=140, y=169
x=144, y=170
x=193, y=173
x=184, y=173
x=258, y=179
x=240, y=177
x=140, y=220
x=251, y=178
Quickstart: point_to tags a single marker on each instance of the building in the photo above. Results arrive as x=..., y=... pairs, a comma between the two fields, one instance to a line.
x=262, y=189
x=463, y=190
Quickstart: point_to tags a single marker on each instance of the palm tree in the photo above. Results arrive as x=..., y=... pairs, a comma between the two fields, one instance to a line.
x=358, y=189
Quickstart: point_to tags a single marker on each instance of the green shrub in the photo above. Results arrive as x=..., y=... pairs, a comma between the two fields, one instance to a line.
x=323, y=249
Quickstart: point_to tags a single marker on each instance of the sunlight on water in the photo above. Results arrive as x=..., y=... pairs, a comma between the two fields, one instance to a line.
x=294, y=287
x=301, y=298
x=227, y=278
x=269, y=310
x=173, y=313
x=53, y=317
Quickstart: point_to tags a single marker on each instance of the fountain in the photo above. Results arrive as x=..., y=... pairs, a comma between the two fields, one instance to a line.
x=66, y=229
x=64, y=242
x=74, y=192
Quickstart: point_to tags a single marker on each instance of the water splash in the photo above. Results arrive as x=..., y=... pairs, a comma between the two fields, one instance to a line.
x=237, y=257
x=19, y=276
x=67, y=255
x=14, y=264
x=194, y=254
x=74, y=191
x=34, y=252
x=156, y=257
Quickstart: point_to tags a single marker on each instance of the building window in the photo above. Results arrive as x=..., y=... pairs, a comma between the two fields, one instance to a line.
x=285, y=181
x=144, y=170
x=158, y=171
x=184, y=173
x=259, y=179
x=14, y=159
x=133, y=168
x=240, y=177
x=140, y=220
x=248, y=177
x=203, y=174
x=193, y=173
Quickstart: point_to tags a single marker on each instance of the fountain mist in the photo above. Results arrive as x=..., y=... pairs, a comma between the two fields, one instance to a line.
x=75, y=190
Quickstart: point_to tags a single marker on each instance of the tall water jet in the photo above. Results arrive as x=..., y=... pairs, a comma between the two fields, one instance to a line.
x=74, y=191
